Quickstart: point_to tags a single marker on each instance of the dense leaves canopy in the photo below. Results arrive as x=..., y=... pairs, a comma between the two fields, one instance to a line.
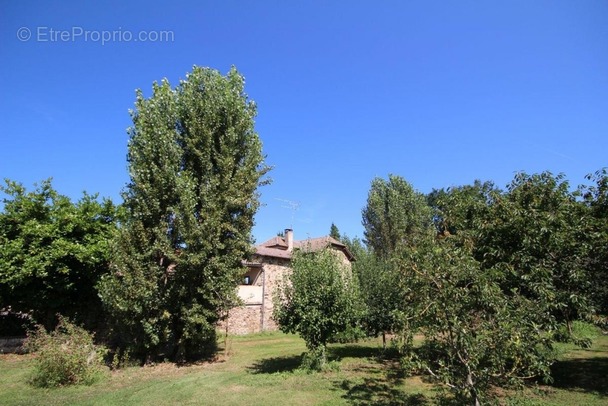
x=382, y=290
x=195, y=164
x=496, y=283
x=53, y=253
x=475, y=334
x=395, y=216
x=537, y=232
x=596, y=200
x=317, y=300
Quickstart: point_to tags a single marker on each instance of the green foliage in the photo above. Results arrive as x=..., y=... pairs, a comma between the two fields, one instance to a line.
x=596, y=200
x=475, y=334
x=195, y=165
x=382, y=292
x=489, y=293
x=119, y=359
x=536, y=232
x=334, y=232
x=461, y=209
x=314, y=360
x=351, y=334
x=318, y=300
x=395, y=215
x=66, y=356
x=355, y=246
x=53, y=252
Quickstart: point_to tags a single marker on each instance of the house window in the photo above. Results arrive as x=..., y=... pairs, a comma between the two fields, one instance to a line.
x=247, y=280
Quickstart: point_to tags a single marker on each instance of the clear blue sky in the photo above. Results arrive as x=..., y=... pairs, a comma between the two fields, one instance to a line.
x=441, y=93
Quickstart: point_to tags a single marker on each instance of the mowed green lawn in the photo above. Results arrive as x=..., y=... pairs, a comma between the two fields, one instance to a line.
x=262, y=370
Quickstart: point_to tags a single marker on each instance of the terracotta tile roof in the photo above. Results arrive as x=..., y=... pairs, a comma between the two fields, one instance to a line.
x=319, y=243
x=272, y=252
x=316, y=244
x=274, y=242
x=277, y=247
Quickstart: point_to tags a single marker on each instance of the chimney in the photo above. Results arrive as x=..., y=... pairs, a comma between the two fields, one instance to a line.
x=289, y=239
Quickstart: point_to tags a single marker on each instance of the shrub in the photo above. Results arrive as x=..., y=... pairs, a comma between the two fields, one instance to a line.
x=316, y=361
x=66, y=356
x=119, y=358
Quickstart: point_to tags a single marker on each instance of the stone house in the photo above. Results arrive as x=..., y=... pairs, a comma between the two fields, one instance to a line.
x=267, y=267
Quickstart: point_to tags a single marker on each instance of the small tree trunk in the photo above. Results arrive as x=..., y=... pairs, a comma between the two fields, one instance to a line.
x=323, y=356
x=472, y=389
x=384, y=341
x=226, y=335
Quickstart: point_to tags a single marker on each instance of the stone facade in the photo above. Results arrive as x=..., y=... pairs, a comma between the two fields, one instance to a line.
x=256, y=316
x=246, y=319
x=266, y=270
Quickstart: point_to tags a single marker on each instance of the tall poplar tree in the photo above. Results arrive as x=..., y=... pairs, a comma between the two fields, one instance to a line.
x=195, y=164
x=396, y=215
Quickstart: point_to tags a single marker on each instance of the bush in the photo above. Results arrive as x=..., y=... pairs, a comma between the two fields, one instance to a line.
x=316, y=361
x=66, y=356
x=118, y=358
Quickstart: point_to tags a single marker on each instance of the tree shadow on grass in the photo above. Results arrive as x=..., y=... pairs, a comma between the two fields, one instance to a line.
x=377, y=380
x=353, y=351
x=374, y=391
x=584, y=374
x=292, y=362
x=276, y=364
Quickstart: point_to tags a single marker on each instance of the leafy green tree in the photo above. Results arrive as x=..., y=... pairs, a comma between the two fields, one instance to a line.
x=395, y=215
x=317, y=300
x=381, y=291
x=334, y=232
x=195, y=163
x=536, y=232
x=461, y=209
x=53, y=253
x=595, y=198
x=355, y=246
x=475, y=334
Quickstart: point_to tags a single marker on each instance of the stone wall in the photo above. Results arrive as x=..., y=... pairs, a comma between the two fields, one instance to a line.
x=244, y=320
x=255, y=318
x=275, y=270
